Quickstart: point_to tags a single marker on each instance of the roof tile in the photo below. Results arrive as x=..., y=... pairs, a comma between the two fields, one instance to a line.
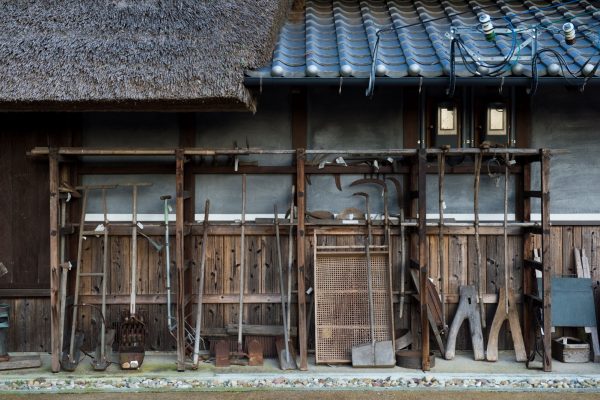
x=338, y=38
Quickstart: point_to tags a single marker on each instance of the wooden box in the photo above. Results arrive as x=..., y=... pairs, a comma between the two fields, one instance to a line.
x=570, y=350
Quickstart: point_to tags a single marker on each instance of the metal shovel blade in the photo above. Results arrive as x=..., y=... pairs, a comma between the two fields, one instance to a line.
x=69, y=363
x=287, y=359
x=364, y=356
x=132, y=342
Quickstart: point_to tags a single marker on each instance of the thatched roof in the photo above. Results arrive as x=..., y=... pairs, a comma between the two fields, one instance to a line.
x=129, y=54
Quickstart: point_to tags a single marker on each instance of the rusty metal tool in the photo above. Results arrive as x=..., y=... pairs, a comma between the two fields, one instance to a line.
x=384, y=189
x=374, y=354
x=133, y=328
x=480, y=281
x=286, y=361
x=198, y=337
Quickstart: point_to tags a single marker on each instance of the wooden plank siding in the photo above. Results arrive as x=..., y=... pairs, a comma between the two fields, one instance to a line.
x=30, y=317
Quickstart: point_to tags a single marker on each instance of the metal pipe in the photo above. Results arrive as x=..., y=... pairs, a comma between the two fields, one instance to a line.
x=170, y=324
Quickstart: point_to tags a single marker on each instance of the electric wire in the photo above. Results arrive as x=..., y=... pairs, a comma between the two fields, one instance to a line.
x=495, y=69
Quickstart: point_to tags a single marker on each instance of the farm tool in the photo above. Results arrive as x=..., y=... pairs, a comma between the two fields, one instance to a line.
x=133, y=329
x=374, y=354
x=399, y=194
x=254, y=356
x=70, y=360
x=506, y=300
x=171, y=320
x=198, y=337
x=286, y=359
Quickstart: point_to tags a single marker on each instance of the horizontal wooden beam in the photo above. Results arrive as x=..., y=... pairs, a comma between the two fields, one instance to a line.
x=267, y=298
x=166, y=168
x=192, y=151
x=333, y=228
x=4, y=293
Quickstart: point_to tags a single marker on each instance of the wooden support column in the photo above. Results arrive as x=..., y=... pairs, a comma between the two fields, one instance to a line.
x=300, y=256
x=299, y=118
x=547, y=260
x=187, y=139
x=179, y=257
x=524, y=214
x=423, y=270
x=54, y=260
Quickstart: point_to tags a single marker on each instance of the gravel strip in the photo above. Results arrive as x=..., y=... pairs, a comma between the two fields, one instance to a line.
x=137, y=384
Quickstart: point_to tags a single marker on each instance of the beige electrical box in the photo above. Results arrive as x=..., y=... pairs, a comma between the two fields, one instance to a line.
x=446, y=129
x=496, y=126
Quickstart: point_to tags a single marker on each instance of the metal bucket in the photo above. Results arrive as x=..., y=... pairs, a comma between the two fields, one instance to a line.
x=4, y=308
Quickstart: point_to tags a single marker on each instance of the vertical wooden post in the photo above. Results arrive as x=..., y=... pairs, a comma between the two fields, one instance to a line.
x=54, y=259
x=524, y=214
x=547, y=260
x=179, y=256
x=299, y=118
x=301, y=264
x=187, y=138
x=423, y=270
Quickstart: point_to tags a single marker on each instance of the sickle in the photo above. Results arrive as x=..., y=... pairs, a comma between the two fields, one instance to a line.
x=383, y=185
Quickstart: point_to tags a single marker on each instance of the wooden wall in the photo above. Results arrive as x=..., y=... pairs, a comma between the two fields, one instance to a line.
x=30, y=316
x=24, y=211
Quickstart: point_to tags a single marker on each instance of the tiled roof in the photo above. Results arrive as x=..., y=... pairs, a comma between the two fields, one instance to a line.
x=333, y=38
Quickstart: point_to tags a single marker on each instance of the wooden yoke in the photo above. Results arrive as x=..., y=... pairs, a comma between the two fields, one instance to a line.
x=512, y=315
x=467, y=308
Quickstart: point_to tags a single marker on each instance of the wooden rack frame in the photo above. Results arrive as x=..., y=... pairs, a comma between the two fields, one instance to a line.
x=415, y=164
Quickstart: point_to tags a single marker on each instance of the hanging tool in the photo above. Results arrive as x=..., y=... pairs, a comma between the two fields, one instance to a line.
x=290, y=261
x=286, y=361
x=374, y=354
x=70, y=360
x=133, y=329
x=467, y=308
x=399, y=195
x=442, y=206
x=157, y=246
x=480, y=280
x=201, y=284
x=383, y=185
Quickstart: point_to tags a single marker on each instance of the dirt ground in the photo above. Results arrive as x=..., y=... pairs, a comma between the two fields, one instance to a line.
x=308, y=395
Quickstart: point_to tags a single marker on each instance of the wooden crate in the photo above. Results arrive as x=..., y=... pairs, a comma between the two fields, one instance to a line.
x=570, y=350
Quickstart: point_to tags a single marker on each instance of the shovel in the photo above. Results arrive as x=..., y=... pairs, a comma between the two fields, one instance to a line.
x=133, y=328
x=286, y=361
x=374, y=354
